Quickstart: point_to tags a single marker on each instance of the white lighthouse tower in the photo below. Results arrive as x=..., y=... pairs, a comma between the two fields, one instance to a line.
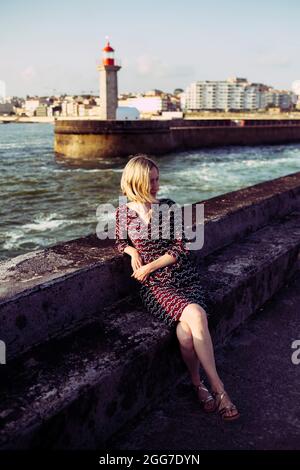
x=108, y=83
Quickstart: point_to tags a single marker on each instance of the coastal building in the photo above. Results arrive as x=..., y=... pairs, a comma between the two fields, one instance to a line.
x=108, y=83
x=233, y=94
x=41, y=111
x=278, y=99
x=69, y=107
x=146, y=104
x=6, y=109
x=2, y=91
x=151, y=104
x=296, y=91
x=30, y=106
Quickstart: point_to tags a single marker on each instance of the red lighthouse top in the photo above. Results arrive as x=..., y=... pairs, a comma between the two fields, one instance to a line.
x=108, y=55
x=108, y=48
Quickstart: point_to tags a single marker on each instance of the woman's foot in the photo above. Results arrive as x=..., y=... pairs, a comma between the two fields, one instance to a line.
x=227, y=410
x=207, y=401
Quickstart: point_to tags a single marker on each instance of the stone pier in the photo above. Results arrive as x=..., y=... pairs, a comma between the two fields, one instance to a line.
x=111, y=139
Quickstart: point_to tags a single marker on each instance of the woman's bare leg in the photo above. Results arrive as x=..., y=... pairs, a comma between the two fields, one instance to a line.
x=195, y=316
x=187, y=350
x=185, y=338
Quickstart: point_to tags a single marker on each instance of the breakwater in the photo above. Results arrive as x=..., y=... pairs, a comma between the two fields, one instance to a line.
x=109, y=139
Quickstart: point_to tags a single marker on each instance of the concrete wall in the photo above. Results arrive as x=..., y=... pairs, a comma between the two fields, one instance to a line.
x=48, y=293
x=90, y=139
x=84, y=139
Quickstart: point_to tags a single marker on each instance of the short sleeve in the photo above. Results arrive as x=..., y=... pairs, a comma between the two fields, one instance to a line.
x=121, y=234
x=178, y=240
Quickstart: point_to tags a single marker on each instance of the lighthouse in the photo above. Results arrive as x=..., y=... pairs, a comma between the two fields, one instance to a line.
x=108, y=83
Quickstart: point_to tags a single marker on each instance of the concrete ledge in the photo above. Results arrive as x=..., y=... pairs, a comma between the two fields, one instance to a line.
x=58, y=290
x=49, y=293
x=75, y=393
x=231, y=216
x=110, y=139
x=88, y=384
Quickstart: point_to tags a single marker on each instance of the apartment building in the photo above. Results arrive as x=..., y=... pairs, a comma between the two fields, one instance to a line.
x=233, y=94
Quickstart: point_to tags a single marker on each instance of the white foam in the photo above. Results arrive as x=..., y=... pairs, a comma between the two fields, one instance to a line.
x=43, y=225
x=12, y=239
x=26, y=233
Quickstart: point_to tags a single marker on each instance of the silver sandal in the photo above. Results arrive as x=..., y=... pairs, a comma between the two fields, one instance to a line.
x=222, y=411
x=204, y=401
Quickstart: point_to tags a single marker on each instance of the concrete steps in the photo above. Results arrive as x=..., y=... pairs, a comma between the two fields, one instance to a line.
x=76, y=391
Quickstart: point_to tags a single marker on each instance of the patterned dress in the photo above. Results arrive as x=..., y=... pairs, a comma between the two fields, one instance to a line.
x=168, y=290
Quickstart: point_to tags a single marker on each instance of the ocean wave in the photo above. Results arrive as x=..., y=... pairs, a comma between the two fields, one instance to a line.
x=16, y=242
x=85, y=170
x=8, y=146
x=12, y=239
x=43, y=225
x=40, y=224
x=28, y=233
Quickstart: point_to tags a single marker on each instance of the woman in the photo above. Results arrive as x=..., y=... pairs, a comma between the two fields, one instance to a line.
x=170, y=284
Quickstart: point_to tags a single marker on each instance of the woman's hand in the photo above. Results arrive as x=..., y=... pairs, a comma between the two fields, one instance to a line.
x=136, y=261
x=142, y=273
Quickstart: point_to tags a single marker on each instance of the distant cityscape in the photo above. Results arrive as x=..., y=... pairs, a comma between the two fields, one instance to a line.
x=234, y=94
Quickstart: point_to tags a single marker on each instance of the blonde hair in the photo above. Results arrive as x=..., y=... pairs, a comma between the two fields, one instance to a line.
x=135, y=181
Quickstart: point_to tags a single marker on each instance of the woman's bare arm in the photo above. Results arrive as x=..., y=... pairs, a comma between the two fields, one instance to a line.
x=161, y=262
x=144, y=271
x=130, y=250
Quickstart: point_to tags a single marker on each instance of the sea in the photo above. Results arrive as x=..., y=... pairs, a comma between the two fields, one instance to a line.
x=46, y=198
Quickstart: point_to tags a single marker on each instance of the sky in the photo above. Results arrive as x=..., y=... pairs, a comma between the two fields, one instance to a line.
x=52, y=47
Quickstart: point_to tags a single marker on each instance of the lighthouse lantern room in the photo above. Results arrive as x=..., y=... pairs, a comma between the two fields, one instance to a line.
x=108, y=56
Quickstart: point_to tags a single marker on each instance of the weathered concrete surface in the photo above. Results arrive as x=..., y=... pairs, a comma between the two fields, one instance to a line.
x=58, y=290
x=76, y=392
x=256, y=367
x=231, y=216
x=73, y=392
x=94, y=139
x=252, y=270
x=109, y=139
x=49, y=293
x=193, y=138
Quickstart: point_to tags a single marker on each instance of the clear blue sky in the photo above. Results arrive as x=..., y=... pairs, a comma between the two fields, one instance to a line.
x=55, y=46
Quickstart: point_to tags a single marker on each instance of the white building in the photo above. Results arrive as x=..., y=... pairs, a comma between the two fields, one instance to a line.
x=232, y=94
x=146, y=104
x=296, y=93
x=2, y=91
x=31, y=106
x=69, y=107
x=279, y=99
